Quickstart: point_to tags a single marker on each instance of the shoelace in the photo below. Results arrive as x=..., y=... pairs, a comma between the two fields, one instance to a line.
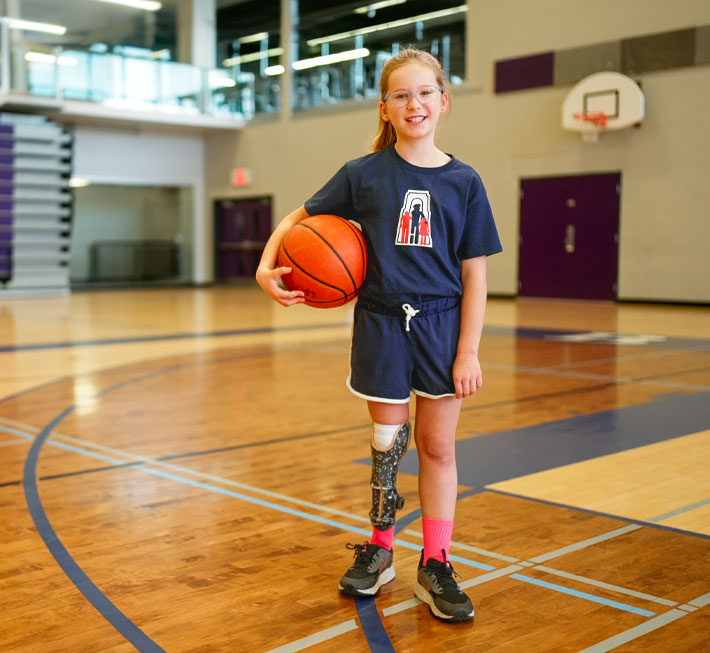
x=361, y=555
x=446, y=573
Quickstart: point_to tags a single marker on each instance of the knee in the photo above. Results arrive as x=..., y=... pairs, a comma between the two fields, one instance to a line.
x=437, y=452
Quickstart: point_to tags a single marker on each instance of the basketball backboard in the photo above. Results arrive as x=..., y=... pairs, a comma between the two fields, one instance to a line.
x=616, y=96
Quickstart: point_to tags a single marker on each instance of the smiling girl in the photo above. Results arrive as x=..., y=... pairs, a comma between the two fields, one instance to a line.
x=417, y=324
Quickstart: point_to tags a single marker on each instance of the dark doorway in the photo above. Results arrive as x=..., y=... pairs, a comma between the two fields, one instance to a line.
x=242, y=228
x=569, y=236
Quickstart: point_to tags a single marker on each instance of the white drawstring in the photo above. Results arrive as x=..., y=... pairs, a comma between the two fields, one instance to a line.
x=410, y=312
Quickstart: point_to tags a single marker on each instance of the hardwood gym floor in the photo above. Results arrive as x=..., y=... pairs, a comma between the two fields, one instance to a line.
x=180, y=470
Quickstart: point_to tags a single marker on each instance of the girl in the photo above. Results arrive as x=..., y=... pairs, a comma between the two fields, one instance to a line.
x=417, y=323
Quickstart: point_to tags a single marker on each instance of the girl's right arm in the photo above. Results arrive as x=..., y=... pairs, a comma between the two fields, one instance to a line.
x=267, y=274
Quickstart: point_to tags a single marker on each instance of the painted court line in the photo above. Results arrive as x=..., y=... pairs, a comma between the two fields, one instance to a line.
x=680, y=511
x=404, y=605
x=316, y=638
x=399, y=542
x=237, y=495
x=12, y=442
x=585, y=543
x=635, y=632
x=607, y=586
x=701, y=601
x=582, y=595
x=168, y=337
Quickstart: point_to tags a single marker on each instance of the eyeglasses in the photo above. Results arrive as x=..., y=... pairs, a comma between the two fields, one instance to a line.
x=425, y=95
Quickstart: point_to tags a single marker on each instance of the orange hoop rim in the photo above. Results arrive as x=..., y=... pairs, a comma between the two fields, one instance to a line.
x=596, y=118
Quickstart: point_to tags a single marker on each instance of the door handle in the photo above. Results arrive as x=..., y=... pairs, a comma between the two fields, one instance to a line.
x=569, y=239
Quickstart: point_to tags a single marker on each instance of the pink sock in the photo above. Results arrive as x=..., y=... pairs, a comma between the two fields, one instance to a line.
x=383, y=538
x=437, y=536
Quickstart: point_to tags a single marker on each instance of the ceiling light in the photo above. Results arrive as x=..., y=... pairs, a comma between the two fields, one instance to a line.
x=378, y=5
x=326, y=59
x=390, y=25
x=220, y=81
x=253, y=38
x=41, y=57
x=274, y=70
x=147, y=5
x=160, y=54
x=32, y=26
x=78, y=182
x=254, y=56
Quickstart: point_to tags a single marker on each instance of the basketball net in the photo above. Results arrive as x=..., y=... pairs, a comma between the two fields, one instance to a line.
x=594, y=122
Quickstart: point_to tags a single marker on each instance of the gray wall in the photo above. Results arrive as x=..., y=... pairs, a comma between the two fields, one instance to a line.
x=665, y=229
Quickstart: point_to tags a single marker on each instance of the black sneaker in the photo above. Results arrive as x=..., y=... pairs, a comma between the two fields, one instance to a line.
x=372, y=569
x=438, y=589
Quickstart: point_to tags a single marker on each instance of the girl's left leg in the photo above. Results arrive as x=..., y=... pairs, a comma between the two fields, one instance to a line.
x=435, y=435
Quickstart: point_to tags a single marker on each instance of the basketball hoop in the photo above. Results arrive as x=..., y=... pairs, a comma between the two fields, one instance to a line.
x=594, y=122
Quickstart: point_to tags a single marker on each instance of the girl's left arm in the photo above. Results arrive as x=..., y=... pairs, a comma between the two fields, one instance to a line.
x=467, y=374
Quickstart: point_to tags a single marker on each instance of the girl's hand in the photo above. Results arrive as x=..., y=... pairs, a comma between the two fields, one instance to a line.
x=467, y=375
x=269, y=281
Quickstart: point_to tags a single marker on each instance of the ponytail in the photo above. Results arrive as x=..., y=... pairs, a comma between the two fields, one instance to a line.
x=384, y=137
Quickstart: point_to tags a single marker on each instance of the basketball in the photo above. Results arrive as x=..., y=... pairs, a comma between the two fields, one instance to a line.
x=327, y=257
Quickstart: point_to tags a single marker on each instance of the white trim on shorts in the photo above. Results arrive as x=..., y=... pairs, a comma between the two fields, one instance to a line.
x=369, y=398
x=421, y=393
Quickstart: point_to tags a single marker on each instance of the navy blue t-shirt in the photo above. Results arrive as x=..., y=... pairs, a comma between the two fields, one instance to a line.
x=418, y=223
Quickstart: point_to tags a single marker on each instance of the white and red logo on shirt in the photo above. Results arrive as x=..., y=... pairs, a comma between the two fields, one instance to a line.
x=415, y=219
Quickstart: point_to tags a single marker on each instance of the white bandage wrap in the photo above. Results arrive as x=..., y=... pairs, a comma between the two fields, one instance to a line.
x=383, y=435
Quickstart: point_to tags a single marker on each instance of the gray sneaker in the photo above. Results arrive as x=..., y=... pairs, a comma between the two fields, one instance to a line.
x=438, y=589
x=372, y=569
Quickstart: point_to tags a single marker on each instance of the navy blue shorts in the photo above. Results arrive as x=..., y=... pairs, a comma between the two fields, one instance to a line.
x=393, y=354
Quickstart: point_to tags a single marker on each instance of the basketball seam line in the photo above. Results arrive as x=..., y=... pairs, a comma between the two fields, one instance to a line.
x=352, y=279
x=345, y=295
x=359, y=242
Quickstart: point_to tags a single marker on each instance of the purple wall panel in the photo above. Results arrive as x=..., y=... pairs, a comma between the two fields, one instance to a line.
x=525, y=72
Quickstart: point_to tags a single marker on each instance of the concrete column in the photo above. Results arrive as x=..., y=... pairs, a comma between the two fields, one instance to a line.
x=197, y=32
x=475, y=40
x=289, y=43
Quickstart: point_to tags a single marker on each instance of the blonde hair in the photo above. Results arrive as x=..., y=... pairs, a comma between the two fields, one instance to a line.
x=386, y=135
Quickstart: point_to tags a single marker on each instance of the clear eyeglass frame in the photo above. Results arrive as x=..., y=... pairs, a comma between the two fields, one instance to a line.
x=425, y=95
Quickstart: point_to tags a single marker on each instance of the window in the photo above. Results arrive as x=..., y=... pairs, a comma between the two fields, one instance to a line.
x=249, y=46
x=342, y=47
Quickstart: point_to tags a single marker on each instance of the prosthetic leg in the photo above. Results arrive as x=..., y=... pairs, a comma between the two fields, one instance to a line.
x=385, y=464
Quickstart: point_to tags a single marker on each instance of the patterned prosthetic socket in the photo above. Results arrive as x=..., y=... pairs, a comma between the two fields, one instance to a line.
x=385, y=500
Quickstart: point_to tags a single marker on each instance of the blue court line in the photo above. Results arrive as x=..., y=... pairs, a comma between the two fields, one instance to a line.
x=372, y=626
x=171, y=336
x=74, y=572
x=516, y=332
x=582, y=595
x=82, y=582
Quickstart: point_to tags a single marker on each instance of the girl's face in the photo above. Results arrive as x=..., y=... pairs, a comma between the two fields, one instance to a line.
x=416, y=120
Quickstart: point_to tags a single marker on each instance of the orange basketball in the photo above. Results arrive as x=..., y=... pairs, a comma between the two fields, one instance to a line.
x=328, y=258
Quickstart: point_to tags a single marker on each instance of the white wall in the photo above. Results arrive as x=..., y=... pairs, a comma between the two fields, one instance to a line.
x=665, y=195
x=147, y=158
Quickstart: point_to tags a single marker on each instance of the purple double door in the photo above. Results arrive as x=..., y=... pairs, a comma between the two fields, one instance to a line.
x=242, y=228
x=569, y=237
